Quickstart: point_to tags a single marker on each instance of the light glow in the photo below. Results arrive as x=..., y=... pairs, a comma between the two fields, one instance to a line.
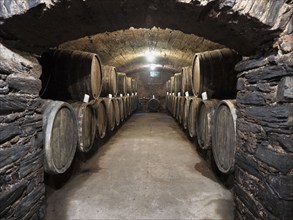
x=150, y=55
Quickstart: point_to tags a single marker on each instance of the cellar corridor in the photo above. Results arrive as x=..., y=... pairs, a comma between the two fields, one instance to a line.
x=147, y=170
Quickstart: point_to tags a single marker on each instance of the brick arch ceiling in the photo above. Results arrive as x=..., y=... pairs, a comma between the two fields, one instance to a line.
x=186, y=26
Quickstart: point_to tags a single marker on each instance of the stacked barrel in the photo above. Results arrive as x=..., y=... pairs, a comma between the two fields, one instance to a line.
x=202, y=100
x=84, y=101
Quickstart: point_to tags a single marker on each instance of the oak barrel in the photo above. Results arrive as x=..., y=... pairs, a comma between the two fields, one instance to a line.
x=121, y=83
x=129, y=85
x=69, y=75
x=116, y=111
x=110, y=110
x=213, y=72
x=186, y=111
x=174, y=106
x=134, y=85
x=109, y=82
x=224, y=135
x=168, y=86
x=101, y=115
x=193, y=109
x=187, y=85
x=86, y=125
x=180, y=105
x=126, y=106
x=121, y=108
x=153, y=105
x=178, y=83
x=204, y=122
x=59, y=126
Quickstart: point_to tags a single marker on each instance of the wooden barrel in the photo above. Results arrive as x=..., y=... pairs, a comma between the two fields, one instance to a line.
x=59, y=126
x=121, y=83
x=178, y=83
x=110, y=110
x=86, y=125
x=186, y=112
x=181, y=109
x=224, y=135
x=172, y=84
x=101, y=115
x=129, y=85
x=174, y=107
x=121, y=108
x=187, y=85
x=109, y=82
x=193, y=109
x=153, y=105
x=126, y=106
x=204, y=123
x=213, y=72
x=116, y=111
x=69, y=75
x=178, y=110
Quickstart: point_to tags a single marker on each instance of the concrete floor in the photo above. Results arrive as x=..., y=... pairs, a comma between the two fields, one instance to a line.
x=147, y=170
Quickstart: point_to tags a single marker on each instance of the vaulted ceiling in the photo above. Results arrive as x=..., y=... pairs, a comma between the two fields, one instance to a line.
x=122, y=31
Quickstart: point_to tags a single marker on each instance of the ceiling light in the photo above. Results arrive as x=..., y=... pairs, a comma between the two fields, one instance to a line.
x=152, y=66
x=150, y=55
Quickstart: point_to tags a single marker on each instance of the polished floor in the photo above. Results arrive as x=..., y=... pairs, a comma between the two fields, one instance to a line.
x=147, y=170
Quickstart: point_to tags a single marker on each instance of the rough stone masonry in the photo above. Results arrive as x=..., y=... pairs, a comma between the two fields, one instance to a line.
x=21, y=138
x=264, y=158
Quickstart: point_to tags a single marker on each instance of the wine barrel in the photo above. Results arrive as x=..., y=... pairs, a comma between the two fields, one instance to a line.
x=126, y=106
x=172, y=85
x=186, y=112
x=181, y=109
x=71, y=74
x=174, y=107
x=116, y=111
x=101, y=115
x=178, y=83
x=109, y=82
x=224, y=135
x=121, y=108
x=213, y=72
x=121, y=83
x=59, y=126
x=153, y=105
x=178, y=110
x=129, y=85
x=204, y=122
x=86, y=125
x=187, y=85
x=110, y=110
x=193, y=109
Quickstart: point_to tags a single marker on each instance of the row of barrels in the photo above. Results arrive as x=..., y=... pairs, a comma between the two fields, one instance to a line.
x=74, y=126
x=87, y=101
x=212, y=123
x=69, y=75
x=212, y=73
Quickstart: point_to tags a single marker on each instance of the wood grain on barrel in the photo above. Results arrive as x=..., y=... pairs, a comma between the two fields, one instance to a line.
x=121, y=83
x=186, y=111
x=213, y=72
x=204, y=124
x=224, y=136
x=101, y=115
x=86, y=125
x=116, y=111
x=59, y=126
x=109, y=82
x=110, y=110
x=172, y=84
x=129, y=85
x=193, y=109
x=178, y=83
x=187, y=85
x=121, y=108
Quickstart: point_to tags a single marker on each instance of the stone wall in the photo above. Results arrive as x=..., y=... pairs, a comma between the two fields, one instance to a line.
x=21, y=138
x=264, y=158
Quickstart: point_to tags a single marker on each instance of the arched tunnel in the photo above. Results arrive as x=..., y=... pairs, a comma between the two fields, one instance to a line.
x=149, y=165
